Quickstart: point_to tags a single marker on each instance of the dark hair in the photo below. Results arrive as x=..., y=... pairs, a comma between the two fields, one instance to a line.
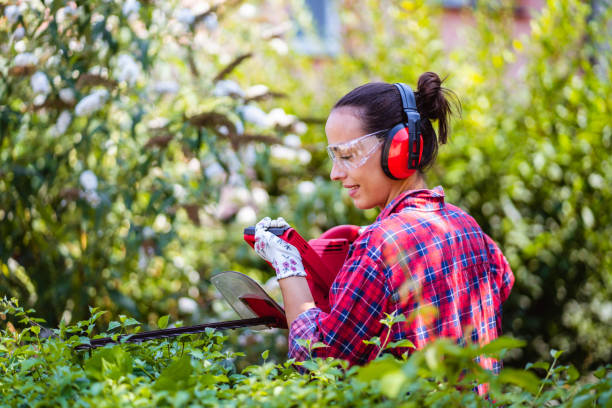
x=379, y=106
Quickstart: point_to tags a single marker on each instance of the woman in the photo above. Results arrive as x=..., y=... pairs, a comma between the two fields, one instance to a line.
x=420, y=252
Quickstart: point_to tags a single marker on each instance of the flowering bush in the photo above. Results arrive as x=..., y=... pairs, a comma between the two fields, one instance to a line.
x=128, y=151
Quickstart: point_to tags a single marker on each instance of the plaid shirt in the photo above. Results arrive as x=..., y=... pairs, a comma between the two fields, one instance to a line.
x=420, y=252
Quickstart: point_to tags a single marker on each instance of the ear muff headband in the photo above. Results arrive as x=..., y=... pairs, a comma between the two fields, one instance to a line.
x=403, y=147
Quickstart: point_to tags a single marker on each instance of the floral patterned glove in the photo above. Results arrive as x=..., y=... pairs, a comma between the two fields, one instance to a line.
x=284, y=257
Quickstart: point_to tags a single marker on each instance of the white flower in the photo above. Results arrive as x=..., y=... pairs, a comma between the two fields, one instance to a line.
x=161, y=224
x=148, y=233
x=12, y=13
x=19, y=33
x=194, y=165
x=128, y=69
x=215, y=173
x=292, y=140
x=282, y=153
x=279, y=46
x=39, y=99
x=187, y=305
x=256, y=90
x=67, y=95
x=306, y=188
x=91, y=103
x=63, y=121
x=239, y=126
x=20, y=46
x=91, y=197
x=166, y=87
x=304, y=156
x=25, y=59
x=255, y=115
x=210, y=21
x=88, y=180
x=179, y=262
x=300, y=128
x=249, y=155
x=247, y=11
x=158, y=123
x=130, y=7
x=246, y=216
x=71, y=10
x=227, y=87
x=143, y=259
x=40, y=83
x=239, y=195
x=185, y=16
x=260, y=196
x=280, y=118
x=179, y=192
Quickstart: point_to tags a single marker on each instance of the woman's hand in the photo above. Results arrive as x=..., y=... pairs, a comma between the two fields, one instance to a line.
x=284, y=257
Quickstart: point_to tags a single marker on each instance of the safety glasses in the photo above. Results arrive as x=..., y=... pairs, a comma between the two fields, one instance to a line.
x=356, y=152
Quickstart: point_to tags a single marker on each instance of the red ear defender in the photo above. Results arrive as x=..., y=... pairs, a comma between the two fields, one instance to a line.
x=403, y=147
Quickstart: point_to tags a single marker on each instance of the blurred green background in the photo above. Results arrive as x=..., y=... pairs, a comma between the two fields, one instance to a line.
x=138, y=139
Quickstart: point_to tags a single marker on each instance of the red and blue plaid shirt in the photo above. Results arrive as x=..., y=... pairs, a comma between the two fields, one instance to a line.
x=420, y=252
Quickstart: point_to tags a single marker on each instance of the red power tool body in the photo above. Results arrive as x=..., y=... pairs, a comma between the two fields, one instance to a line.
x=322, y=257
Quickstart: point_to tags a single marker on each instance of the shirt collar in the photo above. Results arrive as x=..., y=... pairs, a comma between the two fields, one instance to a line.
x=422, y=200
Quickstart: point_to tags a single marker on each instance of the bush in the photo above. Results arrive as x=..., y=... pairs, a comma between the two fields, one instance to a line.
x=132, y=207
x=196, y=370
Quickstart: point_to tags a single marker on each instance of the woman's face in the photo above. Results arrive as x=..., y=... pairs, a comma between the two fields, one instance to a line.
x=367, y=185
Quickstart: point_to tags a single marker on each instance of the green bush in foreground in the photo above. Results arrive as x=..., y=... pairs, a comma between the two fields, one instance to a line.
x=195, y=370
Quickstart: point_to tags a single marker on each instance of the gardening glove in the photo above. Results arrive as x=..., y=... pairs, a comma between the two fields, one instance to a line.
x=284, y=257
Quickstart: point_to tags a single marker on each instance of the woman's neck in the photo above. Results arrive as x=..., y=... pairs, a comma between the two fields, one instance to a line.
x=414, y=182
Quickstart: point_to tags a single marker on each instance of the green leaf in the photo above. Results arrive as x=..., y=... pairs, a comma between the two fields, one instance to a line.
x=310, y=365
x=162, y=322
x=501, y=343
x=304, y=343
x=318, y=345
x=540, y=364
x=391, y=383
x=113, y=325
x=524, y=379
x=107, y=362
x=377, y=368
x=131, y=322
x=176, y=376
x=555, y=353
x=265, y=354
x=400, y=343
x=374, y=340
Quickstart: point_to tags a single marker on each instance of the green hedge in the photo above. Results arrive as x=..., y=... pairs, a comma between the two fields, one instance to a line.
x=176, y=179
x=199, y=371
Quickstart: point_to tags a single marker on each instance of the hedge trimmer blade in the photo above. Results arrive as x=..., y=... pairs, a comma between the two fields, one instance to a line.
x=165, y=333
x=256, y=308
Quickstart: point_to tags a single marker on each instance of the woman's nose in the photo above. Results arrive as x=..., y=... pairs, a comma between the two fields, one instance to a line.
x=337, y=172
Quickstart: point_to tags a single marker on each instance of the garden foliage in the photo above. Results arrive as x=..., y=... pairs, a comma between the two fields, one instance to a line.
x=39, y=368
x=137, y=139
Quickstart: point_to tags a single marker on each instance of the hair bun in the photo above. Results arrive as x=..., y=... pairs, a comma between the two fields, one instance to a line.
x=434, y=102
x=430, y=96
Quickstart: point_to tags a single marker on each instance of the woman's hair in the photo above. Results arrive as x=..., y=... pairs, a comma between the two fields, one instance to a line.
x=379, y=106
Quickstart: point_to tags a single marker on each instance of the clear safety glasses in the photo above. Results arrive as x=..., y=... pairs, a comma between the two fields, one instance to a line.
x=356, y=152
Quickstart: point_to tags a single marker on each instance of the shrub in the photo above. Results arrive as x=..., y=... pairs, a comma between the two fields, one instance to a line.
x=43, y=369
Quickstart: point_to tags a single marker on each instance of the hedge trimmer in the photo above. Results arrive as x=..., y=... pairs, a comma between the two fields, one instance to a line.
x=322, y=258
